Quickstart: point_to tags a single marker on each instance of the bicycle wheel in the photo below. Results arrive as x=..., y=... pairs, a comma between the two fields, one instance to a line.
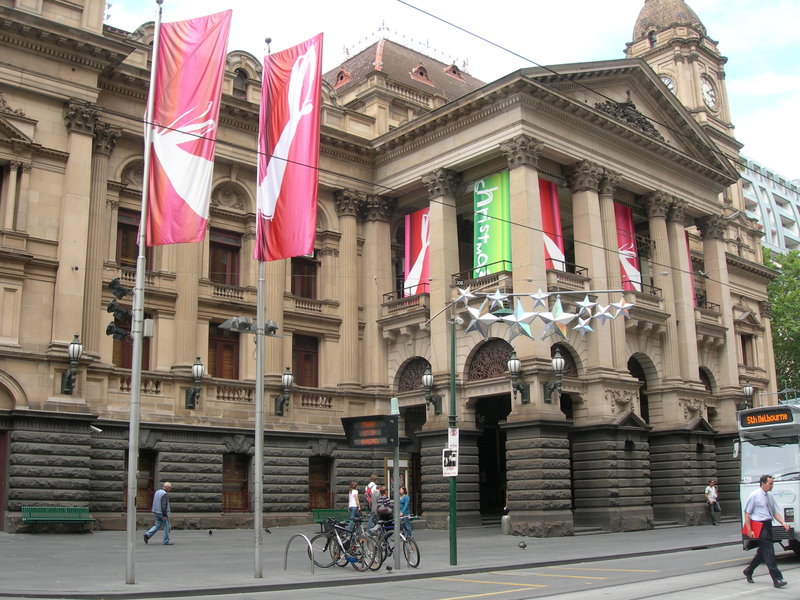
x=372, y=552
x=320, y=550
x=411, y=552
x=356, y=555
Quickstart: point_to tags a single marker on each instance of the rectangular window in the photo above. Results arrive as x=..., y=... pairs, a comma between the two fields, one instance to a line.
x=223, y=263
x=127, y=243
x=235, y=482
x=145, y=481
x=319, y=482
x=223, y=353
x=748, y=350
x=305, y=360
x=122, y=356
x=304, y=277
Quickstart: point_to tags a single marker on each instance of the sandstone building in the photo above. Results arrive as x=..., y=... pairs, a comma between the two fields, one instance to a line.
x=646, y=413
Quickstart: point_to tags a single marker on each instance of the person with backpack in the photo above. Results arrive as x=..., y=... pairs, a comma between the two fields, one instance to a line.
x=371, y=495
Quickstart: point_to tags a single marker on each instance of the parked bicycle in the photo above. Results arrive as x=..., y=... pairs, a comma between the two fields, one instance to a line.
x=384, y=531
x=337, y=545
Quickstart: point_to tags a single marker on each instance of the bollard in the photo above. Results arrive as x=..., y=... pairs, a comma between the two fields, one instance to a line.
x=505, y=524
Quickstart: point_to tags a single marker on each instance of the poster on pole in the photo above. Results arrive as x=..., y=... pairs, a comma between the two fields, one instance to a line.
x=449, y=462
x=452, y=438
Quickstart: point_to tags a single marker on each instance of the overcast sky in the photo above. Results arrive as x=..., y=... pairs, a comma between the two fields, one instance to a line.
x=759, y=39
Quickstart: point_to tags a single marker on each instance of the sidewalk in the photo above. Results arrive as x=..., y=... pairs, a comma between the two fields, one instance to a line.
x=93, y=565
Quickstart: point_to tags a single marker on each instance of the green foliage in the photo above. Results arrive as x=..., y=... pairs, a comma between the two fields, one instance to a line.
x=784, y=297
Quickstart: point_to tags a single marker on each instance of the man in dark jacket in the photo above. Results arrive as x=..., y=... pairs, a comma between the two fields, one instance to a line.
x=161, y=512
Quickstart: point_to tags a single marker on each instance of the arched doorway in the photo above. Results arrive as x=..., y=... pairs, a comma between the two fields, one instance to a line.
x=637, y=371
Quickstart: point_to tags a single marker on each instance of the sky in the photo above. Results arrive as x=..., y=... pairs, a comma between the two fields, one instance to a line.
x=759, y=39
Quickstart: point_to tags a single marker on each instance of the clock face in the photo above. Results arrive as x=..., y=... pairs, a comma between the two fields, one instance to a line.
x=709, y=93
x=669, y=83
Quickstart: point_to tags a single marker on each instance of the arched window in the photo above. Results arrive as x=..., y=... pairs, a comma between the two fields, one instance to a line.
x=652, y=39
x=240, y=84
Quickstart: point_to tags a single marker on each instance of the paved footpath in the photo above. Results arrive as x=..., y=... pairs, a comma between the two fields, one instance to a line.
x=92, y=565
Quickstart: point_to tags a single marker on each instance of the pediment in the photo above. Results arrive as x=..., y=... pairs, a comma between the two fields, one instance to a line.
x=10, y=133
x=630, y=419
x=699, y=424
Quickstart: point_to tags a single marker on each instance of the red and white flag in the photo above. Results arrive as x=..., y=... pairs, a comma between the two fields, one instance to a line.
x=551, y=226
x=188, y=91
x=628, y=255
x=417, y=253
x=288, y=145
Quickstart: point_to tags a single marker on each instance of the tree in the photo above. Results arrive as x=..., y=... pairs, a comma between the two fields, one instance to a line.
x=784, y=297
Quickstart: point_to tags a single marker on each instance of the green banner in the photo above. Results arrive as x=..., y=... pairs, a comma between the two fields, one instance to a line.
x=492, y=229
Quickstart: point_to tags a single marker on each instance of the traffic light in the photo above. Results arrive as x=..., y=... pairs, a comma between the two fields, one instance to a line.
x=121, y=315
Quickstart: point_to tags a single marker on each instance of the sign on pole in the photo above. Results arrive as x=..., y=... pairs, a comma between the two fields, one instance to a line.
x=449, y=462
x=452, y=438
x=379, y=430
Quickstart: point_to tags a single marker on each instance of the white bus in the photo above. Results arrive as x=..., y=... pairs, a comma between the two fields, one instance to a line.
x=768, y=445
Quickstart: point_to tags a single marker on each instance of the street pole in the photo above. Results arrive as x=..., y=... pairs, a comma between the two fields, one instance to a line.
x=398, y=546
x=258, y=475
x=453, y=421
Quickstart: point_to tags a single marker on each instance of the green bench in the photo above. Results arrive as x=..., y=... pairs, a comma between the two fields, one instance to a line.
x=56, y=514
x=319, y=515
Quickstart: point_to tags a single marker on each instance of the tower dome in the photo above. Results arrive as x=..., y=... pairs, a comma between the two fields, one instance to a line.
x=657, y=15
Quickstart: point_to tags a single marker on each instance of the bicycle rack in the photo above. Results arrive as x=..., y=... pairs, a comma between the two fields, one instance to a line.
x=310, y=551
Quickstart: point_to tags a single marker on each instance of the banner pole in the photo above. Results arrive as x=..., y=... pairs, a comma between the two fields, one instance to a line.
x=258, y=475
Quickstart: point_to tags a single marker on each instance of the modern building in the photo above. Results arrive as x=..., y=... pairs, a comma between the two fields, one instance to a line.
x=773, y=200
x=646, y=410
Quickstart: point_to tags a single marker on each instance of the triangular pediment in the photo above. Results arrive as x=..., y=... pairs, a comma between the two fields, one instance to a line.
x=630, y=419
x=699, y=424
x=10, y=134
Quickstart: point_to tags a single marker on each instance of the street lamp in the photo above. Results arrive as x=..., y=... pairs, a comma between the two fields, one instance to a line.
x=427, y=384
x=74, y=350
x=514, y=366
x=287, y=380
x=558, y=363
x=193, y=393
x=747, y=390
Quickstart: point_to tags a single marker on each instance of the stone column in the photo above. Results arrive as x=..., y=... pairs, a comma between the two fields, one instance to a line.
x=712, y=229
x=377, y=213
x=442, y=186
x=105, y=138
x=658, y=205
x=11, y=195
x=527, y=245
x=80, y=118
x=538, y=471
x=21, y=219
x=608, y=184
x=681, y=276
x=590, y=251
x=348, y=204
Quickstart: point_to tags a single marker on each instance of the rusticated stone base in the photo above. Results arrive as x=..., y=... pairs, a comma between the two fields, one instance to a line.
x=542, y=523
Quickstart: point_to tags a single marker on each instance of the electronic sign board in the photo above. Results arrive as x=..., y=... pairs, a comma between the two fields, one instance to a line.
x=774, y=415
x=371, y=432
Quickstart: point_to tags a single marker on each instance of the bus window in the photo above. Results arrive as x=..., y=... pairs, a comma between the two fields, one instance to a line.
x=778, y=457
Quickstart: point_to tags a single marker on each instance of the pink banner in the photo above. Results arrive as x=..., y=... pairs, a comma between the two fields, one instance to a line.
x=186, y=101
x=417, y=253
x=691, y=279
x=551, y=226
x=288, y=145
x=626, y=240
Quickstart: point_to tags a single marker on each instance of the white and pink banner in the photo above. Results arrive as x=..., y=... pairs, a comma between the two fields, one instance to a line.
x=628, y=257
x=288, y=145
x=186, y=101
x=417, y=253
x=689, y=257
x=551, y=226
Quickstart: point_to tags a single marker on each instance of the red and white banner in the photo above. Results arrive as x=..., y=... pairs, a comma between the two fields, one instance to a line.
x=417, y=253
x=288, y=145
x=551, y=226
x=186, y=101
x=628, y=257
x=691, y=279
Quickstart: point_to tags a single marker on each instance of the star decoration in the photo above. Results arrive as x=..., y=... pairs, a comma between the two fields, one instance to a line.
x=585, y=306
x=476, y=324
x=464, y=294
x=519, y=321
x=558, y=320
x=540, y=298
x=622, y=307
x=601, y=313
x=583, y=326
x=497, y=298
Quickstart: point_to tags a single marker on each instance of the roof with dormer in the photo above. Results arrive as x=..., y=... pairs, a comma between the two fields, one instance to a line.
x=658, y=15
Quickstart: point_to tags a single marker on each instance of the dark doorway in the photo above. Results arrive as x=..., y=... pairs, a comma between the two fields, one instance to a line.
x=489, y=412
x=636, y=371
x=3, y=478
x=319, y=482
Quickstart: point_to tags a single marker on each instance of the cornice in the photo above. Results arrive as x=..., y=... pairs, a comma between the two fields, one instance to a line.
x=742, y=264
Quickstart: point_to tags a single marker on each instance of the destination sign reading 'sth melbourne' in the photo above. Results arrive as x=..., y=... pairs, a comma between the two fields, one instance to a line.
x=379, y=430
x=771, y=416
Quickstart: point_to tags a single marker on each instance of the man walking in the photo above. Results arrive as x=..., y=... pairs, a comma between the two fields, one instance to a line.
x=761, y=508
x=161, y=512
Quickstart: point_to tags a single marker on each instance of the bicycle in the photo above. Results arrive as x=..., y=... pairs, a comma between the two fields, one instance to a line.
x=384, y=531
x=338, y=545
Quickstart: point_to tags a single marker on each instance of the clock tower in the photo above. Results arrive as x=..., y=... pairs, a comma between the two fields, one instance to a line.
x=670, y=37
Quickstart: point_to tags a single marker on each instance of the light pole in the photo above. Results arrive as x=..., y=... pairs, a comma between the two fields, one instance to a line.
x=193, y=393
x=747, y=390
x=453, y=422
x=74, y=351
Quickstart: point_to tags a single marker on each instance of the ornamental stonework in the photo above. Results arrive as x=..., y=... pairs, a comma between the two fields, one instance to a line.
x=609, y=182
x=628, y=113
x=377, y=208
x=410, y=378
x=692, y=407
x=620, y=400
x=227, y=196
x=677, y=211
x=491, y=360
x=712, y=227
x=658, y=204
x=522, y=150
x=441, y=182
x=7, y=110
x=765, y=309
x=584, y=175
x=133, y=174
x=348, y=202
x=105, y=138
x=80, y=116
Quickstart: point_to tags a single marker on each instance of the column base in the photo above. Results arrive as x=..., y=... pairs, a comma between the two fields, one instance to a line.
x=542, y=523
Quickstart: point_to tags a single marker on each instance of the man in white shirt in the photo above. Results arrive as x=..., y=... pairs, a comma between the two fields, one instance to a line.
x=762, y=508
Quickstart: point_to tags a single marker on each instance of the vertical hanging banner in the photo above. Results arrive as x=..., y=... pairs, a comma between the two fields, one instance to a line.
x=492, y=228
x=417, y=253
x=689, y=258
x=288, y=145
x=628, y=257
x=186, y=102
x=551, y=226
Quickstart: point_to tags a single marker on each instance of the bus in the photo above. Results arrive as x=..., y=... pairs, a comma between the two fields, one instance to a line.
x=768, y=445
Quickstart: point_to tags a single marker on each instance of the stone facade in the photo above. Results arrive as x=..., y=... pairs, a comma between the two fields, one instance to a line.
x=645, y=414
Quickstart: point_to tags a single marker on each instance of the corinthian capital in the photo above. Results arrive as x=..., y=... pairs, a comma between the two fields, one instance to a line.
x=441, y=182
x=677, y=211
x=522, y=150
x=81, y=116
x=712, y=227
x=609, y=182
x=348, y=202
x=657, y=204
x=377, y=208
x=105, y=138
x=584, y=175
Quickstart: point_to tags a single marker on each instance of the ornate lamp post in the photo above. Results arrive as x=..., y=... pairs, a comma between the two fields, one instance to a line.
x=68, y=378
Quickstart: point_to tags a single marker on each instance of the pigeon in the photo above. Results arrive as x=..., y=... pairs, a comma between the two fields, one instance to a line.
x=267, y=530
x=522, y=545
x=210, y=532
x=388, y=567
